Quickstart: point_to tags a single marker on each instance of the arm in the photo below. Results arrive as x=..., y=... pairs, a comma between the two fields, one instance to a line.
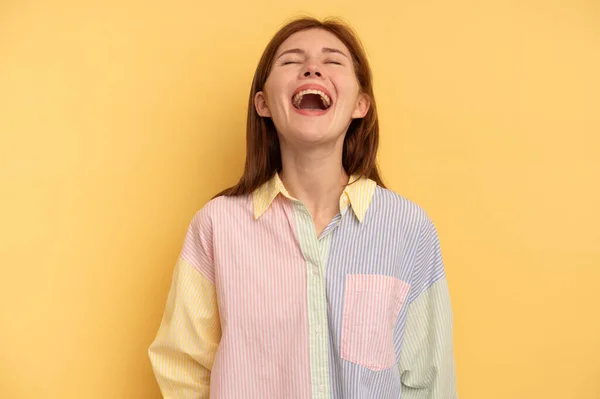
x=427, y=360
x=183, y=352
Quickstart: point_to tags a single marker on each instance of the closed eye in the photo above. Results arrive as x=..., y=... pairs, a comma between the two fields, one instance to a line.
x=333, y=62
x=289, y=62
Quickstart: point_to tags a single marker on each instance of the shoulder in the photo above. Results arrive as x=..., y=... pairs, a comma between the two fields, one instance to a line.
x=417, y=228
x=223, y=205
x=222, y=210
x=397, y=208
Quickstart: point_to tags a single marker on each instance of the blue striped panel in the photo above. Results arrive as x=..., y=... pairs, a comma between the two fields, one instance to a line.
x=395, y=236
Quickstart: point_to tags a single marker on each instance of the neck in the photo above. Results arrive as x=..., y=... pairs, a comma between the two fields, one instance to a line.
x=316, y=177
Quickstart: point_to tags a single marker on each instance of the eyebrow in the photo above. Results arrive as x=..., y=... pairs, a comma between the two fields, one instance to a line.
x=333, y=50
x=323, y=50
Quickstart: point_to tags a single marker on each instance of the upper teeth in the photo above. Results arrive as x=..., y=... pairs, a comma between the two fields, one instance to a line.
x=298, y=97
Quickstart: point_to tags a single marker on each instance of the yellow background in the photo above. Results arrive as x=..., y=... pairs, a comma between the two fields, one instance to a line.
x=119, y=119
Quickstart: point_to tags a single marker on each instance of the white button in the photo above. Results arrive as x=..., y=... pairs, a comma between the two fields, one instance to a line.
x=321, y=388
x=318, y=329
x=316, y=270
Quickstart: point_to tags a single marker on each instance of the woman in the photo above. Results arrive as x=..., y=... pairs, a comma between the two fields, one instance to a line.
x=308, y=279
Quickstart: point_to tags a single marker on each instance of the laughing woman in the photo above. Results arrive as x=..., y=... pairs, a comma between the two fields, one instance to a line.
x=309, y=279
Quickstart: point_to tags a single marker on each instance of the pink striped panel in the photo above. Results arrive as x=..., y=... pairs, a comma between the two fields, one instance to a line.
x=260, y=275
x=371, y=307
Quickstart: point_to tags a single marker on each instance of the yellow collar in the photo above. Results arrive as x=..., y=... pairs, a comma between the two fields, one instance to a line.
x=358, y=194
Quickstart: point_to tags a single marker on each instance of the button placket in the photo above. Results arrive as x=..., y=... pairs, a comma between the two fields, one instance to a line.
x=314, y=252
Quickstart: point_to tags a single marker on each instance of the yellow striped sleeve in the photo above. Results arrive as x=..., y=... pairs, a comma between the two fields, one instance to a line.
x=183, y=352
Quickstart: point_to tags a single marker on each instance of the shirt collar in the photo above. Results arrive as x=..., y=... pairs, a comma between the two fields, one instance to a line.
x=358, y=194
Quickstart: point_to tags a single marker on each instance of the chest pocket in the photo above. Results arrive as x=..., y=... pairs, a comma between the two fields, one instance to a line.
x=371, y=307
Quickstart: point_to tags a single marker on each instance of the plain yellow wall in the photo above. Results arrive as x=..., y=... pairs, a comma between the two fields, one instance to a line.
x=120, y=119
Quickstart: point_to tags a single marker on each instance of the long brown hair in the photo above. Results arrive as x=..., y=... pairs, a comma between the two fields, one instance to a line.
x=263, y=155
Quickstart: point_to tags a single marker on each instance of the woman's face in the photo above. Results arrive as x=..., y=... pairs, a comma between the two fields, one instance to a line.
x=312, y=93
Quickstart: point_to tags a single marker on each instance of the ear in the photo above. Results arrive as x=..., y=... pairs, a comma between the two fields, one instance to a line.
x=260, y=103
x=362, y=106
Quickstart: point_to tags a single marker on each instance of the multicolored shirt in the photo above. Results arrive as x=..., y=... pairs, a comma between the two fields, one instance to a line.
x=261, y=307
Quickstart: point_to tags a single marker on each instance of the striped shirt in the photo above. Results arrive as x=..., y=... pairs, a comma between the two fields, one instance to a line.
x=260, y=307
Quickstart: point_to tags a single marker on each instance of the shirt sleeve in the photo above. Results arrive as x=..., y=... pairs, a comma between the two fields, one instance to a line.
x=427, y=359
x=184, y=349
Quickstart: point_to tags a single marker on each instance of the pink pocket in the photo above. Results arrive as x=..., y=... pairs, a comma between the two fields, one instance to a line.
x=371, y=307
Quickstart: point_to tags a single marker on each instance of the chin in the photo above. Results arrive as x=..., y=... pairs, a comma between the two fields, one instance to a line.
x=312, y=136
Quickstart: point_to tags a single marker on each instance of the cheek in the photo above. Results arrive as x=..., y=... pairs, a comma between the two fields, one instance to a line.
x=276, y=93
x=278, y=81
x=348, y=97
x=347, y=89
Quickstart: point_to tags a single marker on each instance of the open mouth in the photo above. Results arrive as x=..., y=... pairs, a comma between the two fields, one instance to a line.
x=311, y=100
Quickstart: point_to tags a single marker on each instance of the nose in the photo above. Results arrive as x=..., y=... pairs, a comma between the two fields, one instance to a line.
x=312, y=70
x=309, y=73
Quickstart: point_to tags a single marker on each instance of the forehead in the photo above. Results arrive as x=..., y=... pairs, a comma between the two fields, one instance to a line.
x=313, y=39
